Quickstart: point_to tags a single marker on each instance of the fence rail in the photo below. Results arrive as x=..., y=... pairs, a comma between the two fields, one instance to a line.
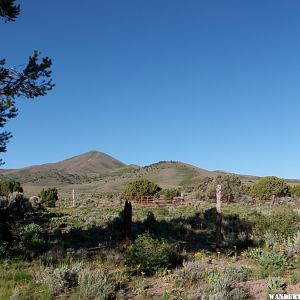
x=151, y=201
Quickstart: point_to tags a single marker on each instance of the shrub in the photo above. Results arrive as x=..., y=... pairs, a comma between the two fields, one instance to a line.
x=141, y=187
x=232, y=188
x=49, y=196
x=270, y=238
x=236, y=231
x=61, y=278
x=139, y=287
x=232, y=274
x=96, y=285
x=170, y=193
x=268, y=186
x=273, y=260
x=191, y=271
x=282, y=224
x=293, y=245
x=268, y=259
x=31, y=242
x=8, y=186
x=294, y=278
x=237, y=274
x=276, y=286
x=15, y=295
x=148, y=255
x=221, y=285
x=4, y=249
x=295, y=191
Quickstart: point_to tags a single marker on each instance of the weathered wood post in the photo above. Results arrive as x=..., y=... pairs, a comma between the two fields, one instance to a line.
x=273, y=198
x=219, y=216
x=73, y=197
x=127, y=221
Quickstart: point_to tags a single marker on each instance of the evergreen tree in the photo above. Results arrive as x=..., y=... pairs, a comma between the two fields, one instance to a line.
x=32, y=81
x=270, y=186
x=140, y=187
x=49, y=196
x=8, y=186
x=9, y=11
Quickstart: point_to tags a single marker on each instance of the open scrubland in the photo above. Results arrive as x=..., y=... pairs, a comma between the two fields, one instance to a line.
x=64, y=249
x=78, y=253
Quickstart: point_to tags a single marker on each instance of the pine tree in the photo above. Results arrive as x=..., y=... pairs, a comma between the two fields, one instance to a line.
x=8, y=10
x=32, y=81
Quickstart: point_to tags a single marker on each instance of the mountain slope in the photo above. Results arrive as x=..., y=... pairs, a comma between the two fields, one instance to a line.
x=72, y=170
x=96, y=172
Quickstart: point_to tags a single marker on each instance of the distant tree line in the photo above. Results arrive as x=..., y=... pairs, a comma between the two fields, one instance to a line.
x=232, y=189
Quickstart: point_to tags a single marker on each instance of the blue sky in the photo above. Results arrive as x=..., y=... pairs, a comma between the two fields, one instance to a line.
x=211, y=83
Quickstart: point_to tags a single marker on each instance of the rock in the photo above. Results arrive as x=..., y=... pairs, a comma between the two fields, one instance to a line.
x=90, y=203
x=35, y=203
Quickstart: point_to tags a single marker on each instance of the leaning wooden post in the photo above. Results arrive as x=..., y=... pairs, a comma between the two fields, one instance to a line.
x=127, y=222
x=219, y=217
x=273, y=199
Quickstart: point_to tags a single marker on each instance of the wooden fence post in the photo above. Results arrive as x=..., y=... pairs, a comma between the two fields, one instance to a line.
x=219, y=216
x=127, y=222
x=73, y=197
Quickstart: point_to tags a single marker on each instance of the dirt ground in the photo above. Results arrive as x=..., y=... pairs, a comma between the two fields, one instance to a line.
x=256, y=288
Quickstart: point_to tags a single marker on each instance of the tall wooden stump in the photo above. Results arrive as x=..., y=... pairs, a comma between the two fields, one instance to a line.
x=219, y=217
x=127, y=222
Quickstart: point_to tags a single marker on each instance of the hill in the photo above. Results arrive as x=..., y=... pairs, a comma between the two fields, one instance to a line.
x=95, y=172
x=77, y=169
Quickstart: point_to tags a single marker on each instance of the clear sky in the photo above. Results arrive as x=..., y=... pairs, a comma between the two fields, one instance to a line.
x=211, y=83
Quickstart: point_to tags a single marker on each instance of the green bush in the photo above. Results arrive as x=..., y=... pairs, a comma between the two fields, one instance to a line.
x=49, y=196
x=141, y=187
x=61, y=278
x=8, y=186
x=97, y=285
x=273, y=260
x=282, y=224
x=170, y=193
x=191, y=271
x=270, y=259
x=276, y=286
x=232, y=188
x=268, y=186
x=148, y=255
x=221, y=284
x=293, y=245
x=3, y=250
x=295, y=191
x=31, y=241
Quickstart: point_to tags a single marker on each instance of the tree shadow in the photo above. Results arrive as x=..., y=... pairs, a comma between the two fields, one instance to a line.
x=192, y=233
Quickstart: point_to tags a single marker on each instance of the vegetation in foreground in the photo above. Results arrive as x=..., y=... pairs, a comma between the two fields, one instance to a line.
x=78, y=252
